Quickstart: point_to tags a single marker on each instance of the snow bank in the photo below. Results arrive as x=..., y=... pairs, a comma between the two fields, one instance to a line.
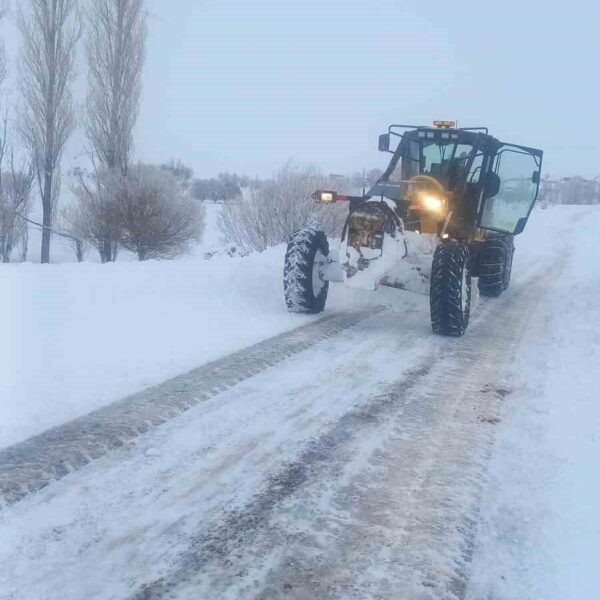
x=82, y=335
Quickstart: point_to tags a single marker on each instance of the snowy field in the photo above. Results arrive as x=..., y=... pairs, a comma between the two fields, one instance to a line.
x=84, y=335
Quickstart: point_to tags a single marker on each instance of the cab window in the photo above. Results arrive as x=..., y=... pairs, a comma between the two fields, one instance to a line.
x=518, y=172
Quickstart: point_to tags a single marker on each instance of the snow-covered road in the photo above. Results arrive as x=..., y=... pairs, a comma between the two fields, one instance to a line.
x=354, y=468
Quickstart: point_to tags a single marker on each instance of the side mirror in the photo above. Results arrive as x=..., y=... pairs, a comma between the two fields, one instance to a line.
x=535, y=178
x=384, y=142
x=492, y=185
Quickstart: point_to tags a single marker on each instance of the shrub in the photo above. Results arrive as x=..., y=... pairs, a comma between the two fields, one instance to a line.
x=157, y=219
x=271, y=213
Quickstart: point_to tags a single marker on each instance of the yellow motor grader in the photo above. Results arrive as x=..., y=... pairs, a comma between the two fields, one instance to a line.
x=445, y=210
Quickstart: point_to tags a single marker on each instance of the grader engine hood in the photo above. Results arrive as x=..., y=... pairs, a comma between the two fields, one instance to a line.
x=366, y=229
x=372, y=242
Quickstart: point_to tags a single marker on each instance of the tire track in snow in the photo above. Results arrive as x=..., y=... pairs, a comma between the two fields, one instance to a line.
x=219, y=542
x=33, y=464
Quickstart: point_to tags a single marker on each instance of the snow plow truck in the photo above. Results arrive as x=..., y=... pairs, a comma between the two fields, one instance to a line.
x=442, y=217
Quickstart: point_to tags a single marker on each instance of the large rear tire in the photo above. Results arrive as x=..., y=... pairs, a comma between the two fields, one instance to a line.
x=510, y=245
x=304, y=288
x=450, y=289
x=495, y=265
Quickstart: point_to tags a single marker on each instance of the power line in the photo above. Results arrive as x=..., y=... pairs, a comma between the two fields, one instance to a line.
x=78, y=242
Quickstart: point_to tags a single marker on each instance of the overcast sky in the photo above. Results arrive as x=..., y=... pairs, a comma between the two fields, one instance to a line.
x=243, y=85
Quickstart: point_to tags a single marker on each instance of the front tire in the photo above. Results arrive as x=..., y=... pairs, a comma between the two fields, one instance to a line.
x=304, y=288
x=450, y=289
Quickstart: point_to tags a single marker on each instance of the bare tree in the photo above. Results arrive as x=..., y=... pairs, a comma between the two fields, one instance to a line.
x=94, y=217
x=270, y=214
x=181, y=172
x=50, y=30
x=15, y=188
x=158, y=220
x=116, y=35
x=15, y=202
x=3, y=9
x=23, y=243
x=4, y=132
x=115, y=43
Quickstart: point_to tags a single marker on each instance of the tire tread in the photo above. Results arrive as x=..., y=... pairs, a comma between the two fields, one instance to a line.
x=447, y=316
x=298, y=271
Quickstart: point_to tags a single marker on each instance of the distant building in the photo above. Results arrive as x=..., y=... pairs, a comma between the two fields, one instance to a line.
x=570, y=190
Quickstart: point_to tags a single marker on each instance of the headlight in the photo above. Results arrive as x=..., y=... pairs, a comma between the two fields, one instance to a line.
x=432, y=203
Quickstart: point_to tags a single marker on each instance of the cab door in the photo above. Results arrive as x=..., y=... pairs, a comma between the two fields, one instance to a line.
x=515, y=176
